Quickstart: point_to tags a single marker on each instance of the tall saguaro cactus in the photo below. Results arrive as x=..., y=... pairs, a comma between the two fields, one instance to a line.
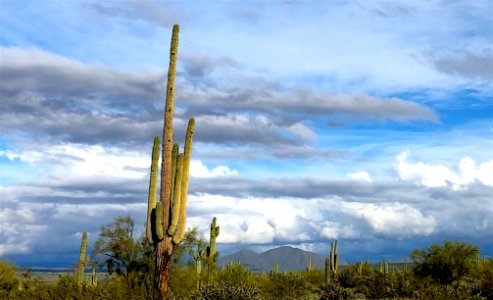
x=166, y=219
x=83, y=260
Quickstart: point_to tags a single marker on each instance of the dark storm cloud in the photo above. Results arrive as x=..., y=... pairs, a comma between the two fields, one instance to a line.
x=53, y=97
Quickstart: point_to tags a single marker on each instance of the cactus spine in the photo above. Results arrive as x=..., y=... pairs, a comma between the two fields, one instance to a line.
x=332, y=262
x=166, y=219
x=83, y=260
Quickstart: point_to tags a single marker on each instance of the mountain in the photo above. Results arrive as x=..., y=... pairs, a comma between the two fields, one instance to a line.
x=288, y=258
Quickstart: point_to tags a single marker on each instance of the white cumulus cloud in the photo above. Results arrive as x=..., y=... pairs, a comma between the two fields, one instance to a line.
x=360, y=175
x=394, y=219
x=199, y=169
x=437, y=175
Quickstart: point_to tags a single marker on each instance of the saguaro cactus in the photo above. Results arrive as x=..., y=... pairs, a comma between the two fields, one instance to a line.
x=211, y=253
x=83, y=260
x=94, y=277
x=199, y=257
x=166, y=219
x=332, y=262
x=309, y=265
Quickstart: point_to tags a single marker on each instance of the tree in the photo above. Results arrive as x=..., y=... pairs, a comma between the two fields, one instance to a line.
x=117, y=245
x=445, y=264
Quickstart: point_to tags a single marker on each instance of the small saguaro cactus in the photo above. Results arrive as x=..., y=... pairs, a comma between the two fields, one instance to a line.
x=275, y=269
x=83, y=260
x=360, y=268
x=211, y=253
x=332, y=262
x=198, y=257
x=94, y=277
x=309, y=265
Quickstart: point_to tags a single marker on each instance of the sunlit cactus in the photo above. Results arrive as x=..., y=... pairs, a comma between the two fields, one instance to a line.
x=332, y=262
x=83, y=260
x=166, y=218
x=93, y=282
x=198, y=257
x=275, y=269
x=211, y=253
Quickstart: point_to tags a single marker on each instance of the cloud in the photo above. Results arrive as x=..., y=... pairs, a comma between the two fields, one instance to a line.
x=467, y=64
x=70, y=101
x=438, y=175
x=360, y=175
x=198, y=169
x=151, y=12
x=394, y=219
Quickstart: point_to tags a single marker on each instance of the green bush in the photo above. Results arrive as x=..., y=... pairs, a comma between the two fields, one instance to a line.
x=228, y=292
x=446, y=264
x=9, y=283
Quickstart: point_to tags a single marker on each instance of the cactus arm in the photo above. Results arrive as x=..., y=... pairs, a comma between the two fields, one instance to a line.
x=151, y=204
x=174, y=161
x=158, y=230
x=175, y=213
x=168, y=129
x=187, y=152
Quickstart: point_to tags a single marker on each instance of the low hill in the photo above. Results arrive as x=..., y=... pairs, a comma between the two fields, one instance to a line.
x=288, y=258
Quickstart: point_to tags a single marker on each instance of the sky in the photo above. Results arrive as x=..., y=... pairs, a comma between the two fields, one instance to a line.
x=369, y=122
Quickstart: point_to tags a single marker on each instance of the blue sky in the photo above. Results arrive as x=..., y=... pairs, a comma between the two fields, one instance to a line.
x=370, y=122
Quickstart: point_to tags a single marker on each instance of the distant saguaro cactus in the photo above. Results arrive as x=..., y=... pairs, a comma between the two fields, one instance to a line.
x=83, y=260
x=198, y=257
x=211, y=253
x=332, y=262
x=166, y=219
x=94, y=277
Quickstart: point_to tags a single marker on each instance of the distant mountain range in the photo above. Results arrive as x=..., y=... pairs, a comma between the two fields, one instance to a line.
x=288, y=258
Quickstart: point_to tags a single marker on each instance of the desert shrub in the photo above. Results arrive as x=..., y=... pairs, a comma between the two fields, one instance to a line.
x=314, y=277
x=183, y=282
x=334, y=291
x=228, y=292
x=9, y=283
x=348, y=277
x=482, y=279
x=399, y=284
x=235, y=275
x=446, y=264
x=286, y=286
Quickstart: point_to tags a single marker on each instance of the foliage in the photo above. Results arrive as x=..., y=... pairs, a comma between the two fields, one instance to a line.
x=287, y=286
x=333, y=291
x=118, y=246
x=228, y=292
x=9, y=282
x=446, y=264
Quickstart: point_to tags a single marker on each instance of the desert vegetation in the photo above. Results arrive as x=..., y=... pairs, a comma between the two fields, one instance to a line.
x=168, y=262
x=125, y=265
